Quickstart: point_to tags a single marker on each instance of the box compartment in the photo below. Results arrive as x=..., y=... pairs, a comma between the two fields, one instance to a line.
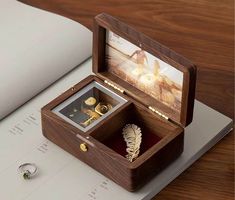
x=110, y=134
x=89, y=105
x=159, y=139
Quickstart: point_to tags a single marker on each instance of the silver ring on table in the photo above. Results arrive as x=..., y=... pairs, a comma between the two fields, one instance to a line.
x=28, y=170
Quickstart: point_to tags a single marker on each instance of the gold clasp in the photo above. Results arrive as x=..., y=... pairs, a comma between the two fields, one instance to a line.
x=83, y=147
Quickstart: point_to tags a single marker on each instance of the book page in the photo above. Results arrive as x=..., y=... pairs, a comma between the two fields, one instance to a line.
x=37, y=48
x=61, y=176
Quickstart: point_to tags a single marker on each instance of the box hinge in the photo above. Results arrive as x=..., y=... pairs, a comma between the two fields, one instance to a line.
x=157, y=112
x=114, y=86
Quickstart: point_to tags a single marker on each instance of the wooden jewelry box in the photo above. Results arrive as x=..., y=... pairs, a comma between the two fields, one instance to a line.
x=141, y=88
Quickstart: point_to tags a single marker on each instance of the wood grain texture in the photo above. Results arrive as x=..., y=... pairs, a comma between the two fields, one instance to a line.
x=103, y=158
x=104, y=22
x=202, y=31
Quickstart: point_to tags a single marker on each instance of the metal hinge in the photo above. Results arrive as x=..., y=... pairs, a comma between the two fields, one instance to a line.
x=157, y=112
x=114, y=86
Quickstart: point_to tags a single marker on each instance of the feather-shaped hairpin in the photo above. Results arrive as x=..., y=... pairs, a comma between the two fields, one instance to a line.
x=132, y=136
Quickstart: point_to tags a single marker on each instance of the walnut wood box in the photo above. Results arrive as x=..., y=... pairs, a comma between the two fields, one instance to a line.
x=158, y=88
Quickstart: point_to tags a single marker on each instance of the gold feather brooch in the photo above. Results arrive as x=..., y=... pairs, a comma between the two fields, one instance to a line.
x=132, y=136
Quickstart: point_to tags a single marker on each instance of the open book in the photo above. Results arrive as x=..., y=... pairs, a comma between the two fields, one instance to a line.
x=37, y=48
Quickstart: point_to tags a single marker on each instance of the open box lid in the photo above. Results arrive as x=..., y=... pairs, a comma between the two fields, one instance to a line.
x=144, y=69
